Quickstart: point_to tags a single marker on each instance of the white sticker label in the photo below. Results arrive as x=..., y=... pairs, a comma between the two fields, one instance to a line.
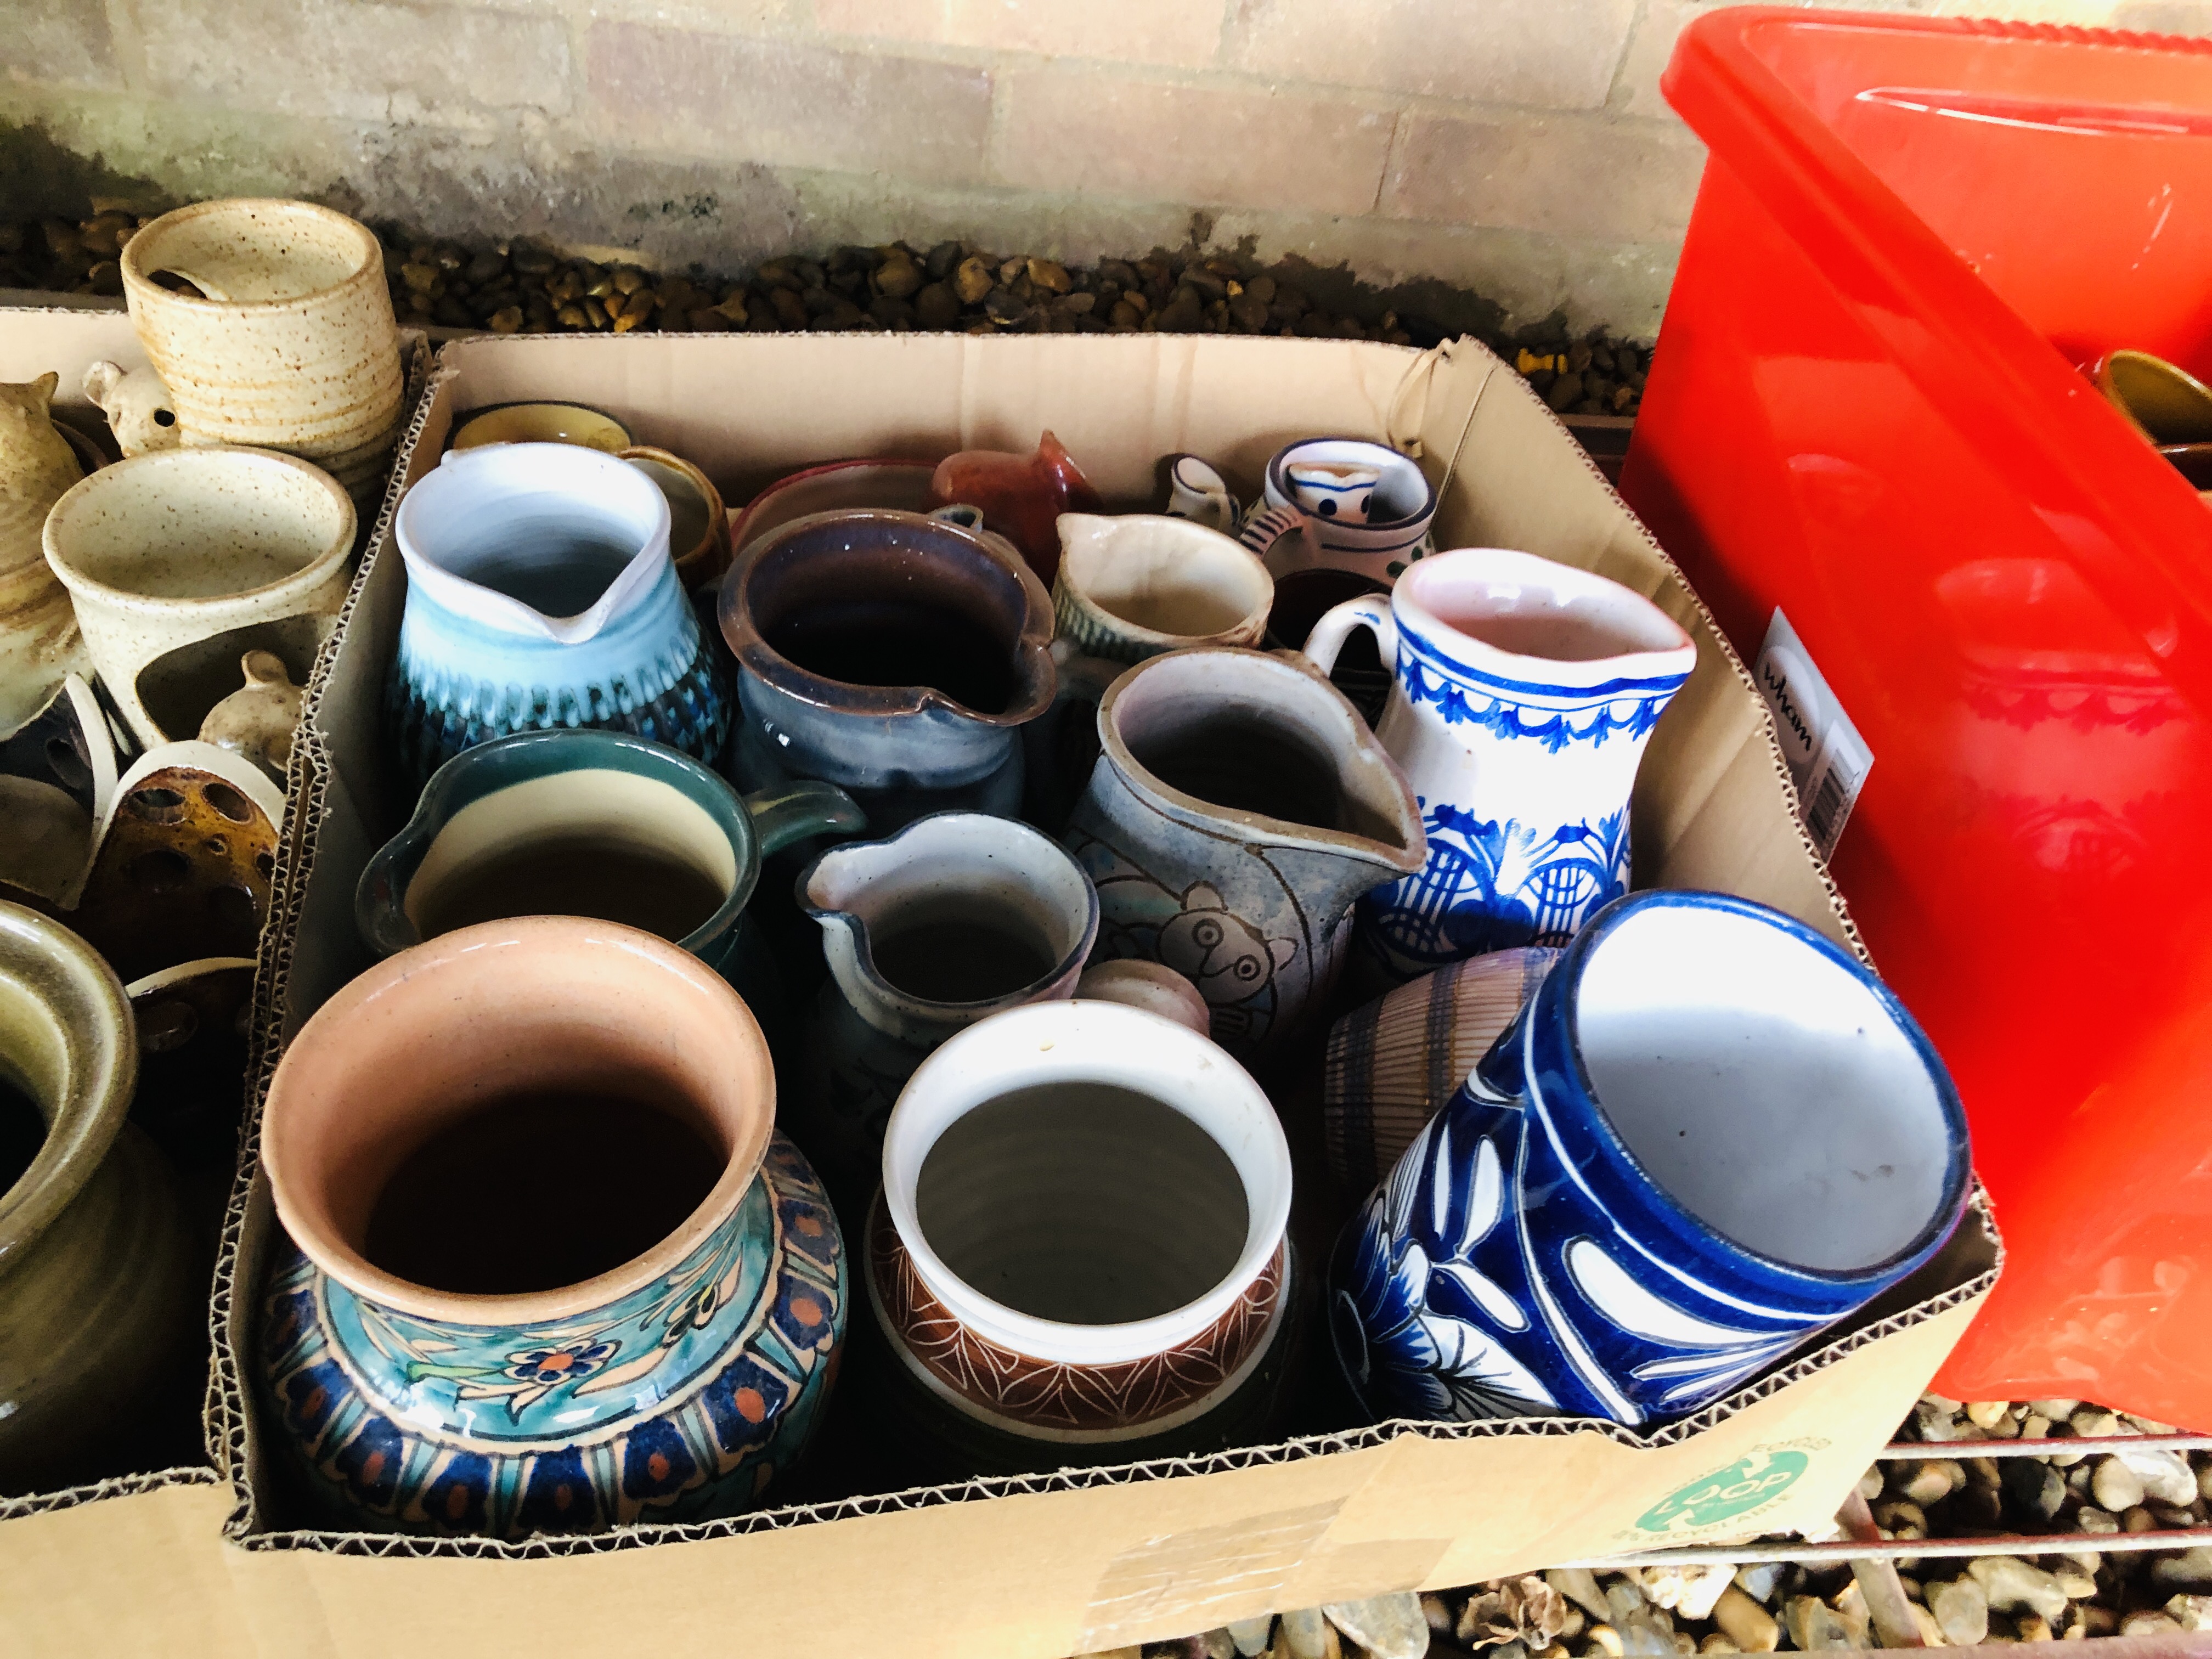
x=1828, y=759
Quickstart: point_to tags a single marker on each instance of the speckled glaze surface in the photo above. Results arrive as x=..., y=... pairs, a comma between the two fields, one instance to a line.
x=866, y=1034
x=1133, y=587
x=1255, y=910
x=93, y=1224
x=165, y=550
x=475, y=663
x=135, y=403
x=294, y=349
x=904, y=751
x=39, y=639
x=671, y=1388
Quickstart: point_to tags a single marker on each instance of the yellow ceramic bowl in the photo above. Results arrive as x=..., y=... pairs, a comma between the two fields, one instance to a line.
x=543, y=423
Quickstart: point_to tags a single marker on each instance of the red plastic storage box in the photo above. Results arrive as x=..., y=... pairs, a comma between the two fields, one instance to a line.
x=1868, y=412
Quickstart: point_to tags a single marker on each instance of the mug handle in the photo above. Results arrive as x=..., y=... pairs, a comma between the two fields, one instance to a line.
x=1370, y=611
x=800, y=810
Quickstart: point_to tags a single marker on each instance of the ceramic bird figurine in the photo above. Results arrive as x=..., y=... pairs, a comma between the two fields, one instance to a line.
x=1022, y=496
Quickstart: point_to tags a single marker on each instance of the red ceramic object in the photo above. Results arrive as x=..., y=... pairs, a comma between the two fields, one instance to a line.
x=1868, y=409
x=1021, y=496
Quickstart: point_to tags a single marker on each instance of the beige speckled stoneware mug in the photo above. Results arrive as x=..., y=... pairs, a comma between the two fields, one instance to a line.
x=164, y=550
x=289, y=342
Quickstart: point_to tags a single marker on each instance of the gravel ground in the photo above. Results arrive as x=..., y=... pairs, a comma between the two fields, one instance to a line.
x=518, y=289
x=1656, y=1612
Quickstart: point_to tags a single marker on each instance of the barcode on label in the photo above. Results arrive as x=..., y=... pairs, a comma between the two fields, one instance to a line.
x=1828, y=760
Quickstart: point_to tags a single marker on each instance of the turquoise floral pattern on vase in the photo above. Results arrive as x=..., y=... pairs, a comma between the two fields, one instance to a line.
x=678, y=1403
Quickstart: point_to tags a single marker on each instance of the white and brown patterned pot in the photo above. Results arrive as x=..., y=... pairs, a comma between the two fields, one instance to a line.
x=1081, y=1235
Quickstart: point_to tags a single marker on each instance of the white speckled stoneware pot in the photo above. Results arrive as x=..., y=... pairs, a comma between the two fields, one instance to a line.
x=292, y=347
x=38, y=642
x=163, y=551
x=1133, y=586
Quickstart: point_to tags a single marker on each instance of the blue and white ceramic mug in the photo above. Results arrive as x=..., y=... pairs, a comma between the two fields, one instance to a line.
x=541, y=594
x=1524, y=694
x=1710, y=1135
x=1340, y=504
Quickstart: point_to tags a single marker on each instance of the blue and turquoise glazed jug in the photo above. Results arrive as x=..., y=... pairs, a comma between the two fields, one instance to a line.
x=541, y=594
x=1710, y=1135
x=448, y=1342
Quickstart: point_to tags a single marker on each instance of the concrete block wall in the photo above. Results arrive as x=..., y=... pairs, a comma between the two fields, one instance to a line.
x=1518, y=148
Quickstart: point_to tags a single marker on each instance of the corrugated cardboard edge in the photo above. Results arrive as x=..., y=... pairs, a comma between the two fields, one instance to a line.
x=229, y=1401
x=272, y=953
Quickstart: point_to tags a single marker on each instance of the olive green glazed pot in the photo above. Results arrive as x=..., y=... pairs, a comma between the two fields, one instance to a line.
x=98, y=1303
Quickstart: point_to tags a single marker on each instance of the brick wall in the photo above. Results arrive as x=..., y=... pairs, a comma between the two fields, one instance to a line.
x=1519, y=148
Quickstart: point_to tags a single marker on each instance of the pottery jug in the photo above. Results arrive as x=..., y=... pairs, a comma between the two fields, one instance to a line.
x=594, y=824
x=95, y=1272
x=893, y=654
x=540, y=594
x=1238, y=808
x=1197, y=491
x=956, y=917
x=1080, y=1244
x=1021, y=496
x=168, y=555
x=1133, y=587
x=436, y=1357
x=1341, y=504
x=1710, y=1134
x=284, y=340
x=39, y=640
x=1525, y=691
x=258, y=720
x=139, y=409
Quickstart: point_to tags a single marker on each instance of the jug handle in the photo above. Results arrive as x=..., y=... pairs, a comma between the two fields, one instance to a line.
x=800, y=810
x=1370, y=611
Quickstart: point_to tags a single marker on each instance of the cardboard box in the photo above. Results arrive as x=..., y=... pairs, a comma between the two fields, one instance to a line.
x=1082, y=1559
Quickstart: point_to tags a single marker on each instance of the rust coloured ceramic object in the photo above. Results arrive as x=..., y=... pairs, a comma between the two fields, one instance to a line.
x=1022, y=496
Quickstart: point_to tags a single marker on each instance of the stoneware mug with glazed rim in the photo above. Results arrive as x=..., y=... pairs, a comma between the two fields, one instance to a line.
x=95, y=1269
x=289, y=342
x=1525, y=693
x=672, y=1387
x=894, y=654
x=168, y=550
x=1711, y=1134
x=954, y=917
x=2167, y=405
x=1133, y=587
x=1344, y=504
x=541, y=594
x=1080, y=1240
x=547, y=809
x=698, y=524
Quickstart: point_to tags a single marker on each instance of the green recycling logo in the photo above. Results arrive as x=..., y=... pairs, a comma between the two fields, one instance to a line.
x=1745, y=1484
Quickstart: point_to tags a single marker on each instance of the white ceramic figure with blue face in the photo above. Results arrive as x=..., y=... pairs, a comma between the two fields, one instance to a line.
x=541, y=594
x=1341, y=504
x=1524, y=692
x=1710, y=1135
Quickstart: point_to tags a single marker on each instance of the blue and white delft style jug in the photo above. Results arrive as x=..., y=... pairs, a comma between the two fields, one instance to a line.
x=1525, y=693
x=541, y=594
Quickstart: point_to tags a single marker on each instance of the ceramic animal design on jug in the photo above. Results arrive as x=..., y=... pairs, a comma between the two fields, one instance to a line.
x=1021, y=495
x=1238, y=808
x=434, y=1366
x=541, y=594
x=139, y=409
x=1618, y=1215
x=1525, y=691
x=39, y=640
